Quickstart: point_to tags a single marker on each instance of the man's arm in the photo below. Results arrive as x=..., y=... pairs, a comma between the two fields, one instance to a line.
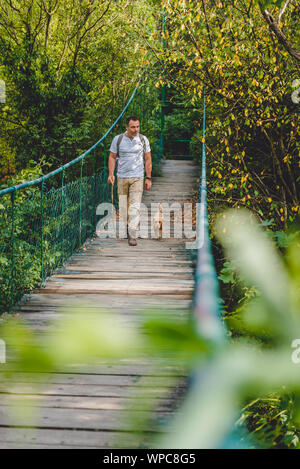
x=148, y=169
x=111, y=168
x=148, y=164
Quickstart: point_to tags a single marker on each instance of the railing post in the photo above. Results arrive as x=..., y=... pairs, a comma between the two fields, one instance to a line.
x=142, y=105
x=80, y=202
x=104, y=170
x=63, y=211
x=163, y=95
x=104, y=153
x=42, y=229
x=136, y=103
x=162, y=120
x=94, y=191
x=12, y=258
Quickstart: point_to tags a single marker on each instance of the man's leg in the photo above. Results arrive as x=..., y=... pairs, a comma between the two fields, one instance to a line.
x=135, y=198
x=123, y=186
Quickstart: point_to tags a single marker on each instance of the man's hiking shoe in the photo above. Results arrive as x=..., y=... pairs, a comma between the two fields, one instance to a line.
x=132, y=241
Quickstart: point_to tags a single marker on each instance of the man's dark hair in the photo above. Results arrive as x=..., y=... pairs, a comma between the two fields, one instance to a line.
x=131, y=118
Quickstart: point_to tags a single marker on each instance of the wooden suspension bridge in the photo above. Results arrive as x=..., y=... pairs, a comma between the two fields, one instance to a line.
x=92, y=406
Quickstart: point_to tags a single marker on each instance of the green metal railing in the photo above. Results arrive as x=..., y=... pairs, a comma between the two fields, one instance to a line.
x=207, y=300
x=207, y=317
x=42, y=223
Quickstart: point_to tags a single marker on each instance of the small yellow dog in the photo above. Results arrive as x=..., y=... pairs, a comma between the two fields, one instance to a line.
x=158, y=221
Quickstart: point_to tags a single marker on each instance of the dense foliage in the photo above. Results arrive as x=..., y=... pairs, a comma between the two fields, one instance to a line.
x=248, y=72
x=69, y=68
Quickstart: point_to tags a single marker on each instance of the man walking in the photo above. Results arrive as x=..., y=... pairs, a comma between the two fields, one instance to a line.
x=131, y=148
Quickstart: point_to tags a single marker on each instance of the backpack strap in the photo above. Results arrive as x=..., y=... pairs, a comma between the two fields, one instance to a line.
x=142, y=138
x=119, y=143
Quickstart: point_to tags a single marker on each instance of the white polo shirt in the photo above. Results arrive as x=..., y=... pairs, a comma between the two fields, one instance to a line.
x=131, y=156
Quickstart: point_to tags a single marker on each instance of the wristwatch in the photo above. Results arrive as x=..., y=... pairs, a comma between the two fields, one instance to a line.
x=147, y=177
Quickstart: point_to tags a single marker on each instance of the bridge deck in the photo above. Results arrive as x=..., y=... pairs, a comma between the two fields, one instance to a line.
x=88, y=406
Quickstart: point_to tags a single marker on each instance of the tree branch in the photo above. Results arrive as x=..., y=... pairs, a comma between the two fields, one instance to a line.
x=273, y=25
x=282, y=10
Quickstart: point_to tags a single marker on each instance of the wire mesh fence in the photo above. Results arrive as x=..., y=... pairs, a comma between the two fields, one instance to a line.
x=43, y=222
x=42, y=227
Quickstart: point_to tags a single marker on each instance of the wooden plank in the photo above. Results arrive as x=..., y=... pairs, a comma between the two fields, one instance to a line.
x=123, y=311
x=142, y=269
x=98, y=266
x=167, y=180
x=158, y=248
x=36, y=300
x=83, y=390
x=149, y=361
x=164, y=183
x=130, y=287
x=139, y=300
x=130, y=262
x=121, y=306
x=84, y=402
x=64, y=438
x=98, y=254
x=126, y=316
x=124, y=284
x=4, y=446
x=122, y=369
x=110, y=243
x=84, y=419
x=132, y=255
x=93, y=380
x=122, y=275
x=114, y=307
x=172, y=243
x=146, y=242
x=184, y=294
x=170, y=190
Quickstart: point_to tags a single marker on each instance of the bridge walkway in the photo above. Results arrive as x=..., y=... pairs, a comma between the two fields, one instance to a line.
x=104, y=405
